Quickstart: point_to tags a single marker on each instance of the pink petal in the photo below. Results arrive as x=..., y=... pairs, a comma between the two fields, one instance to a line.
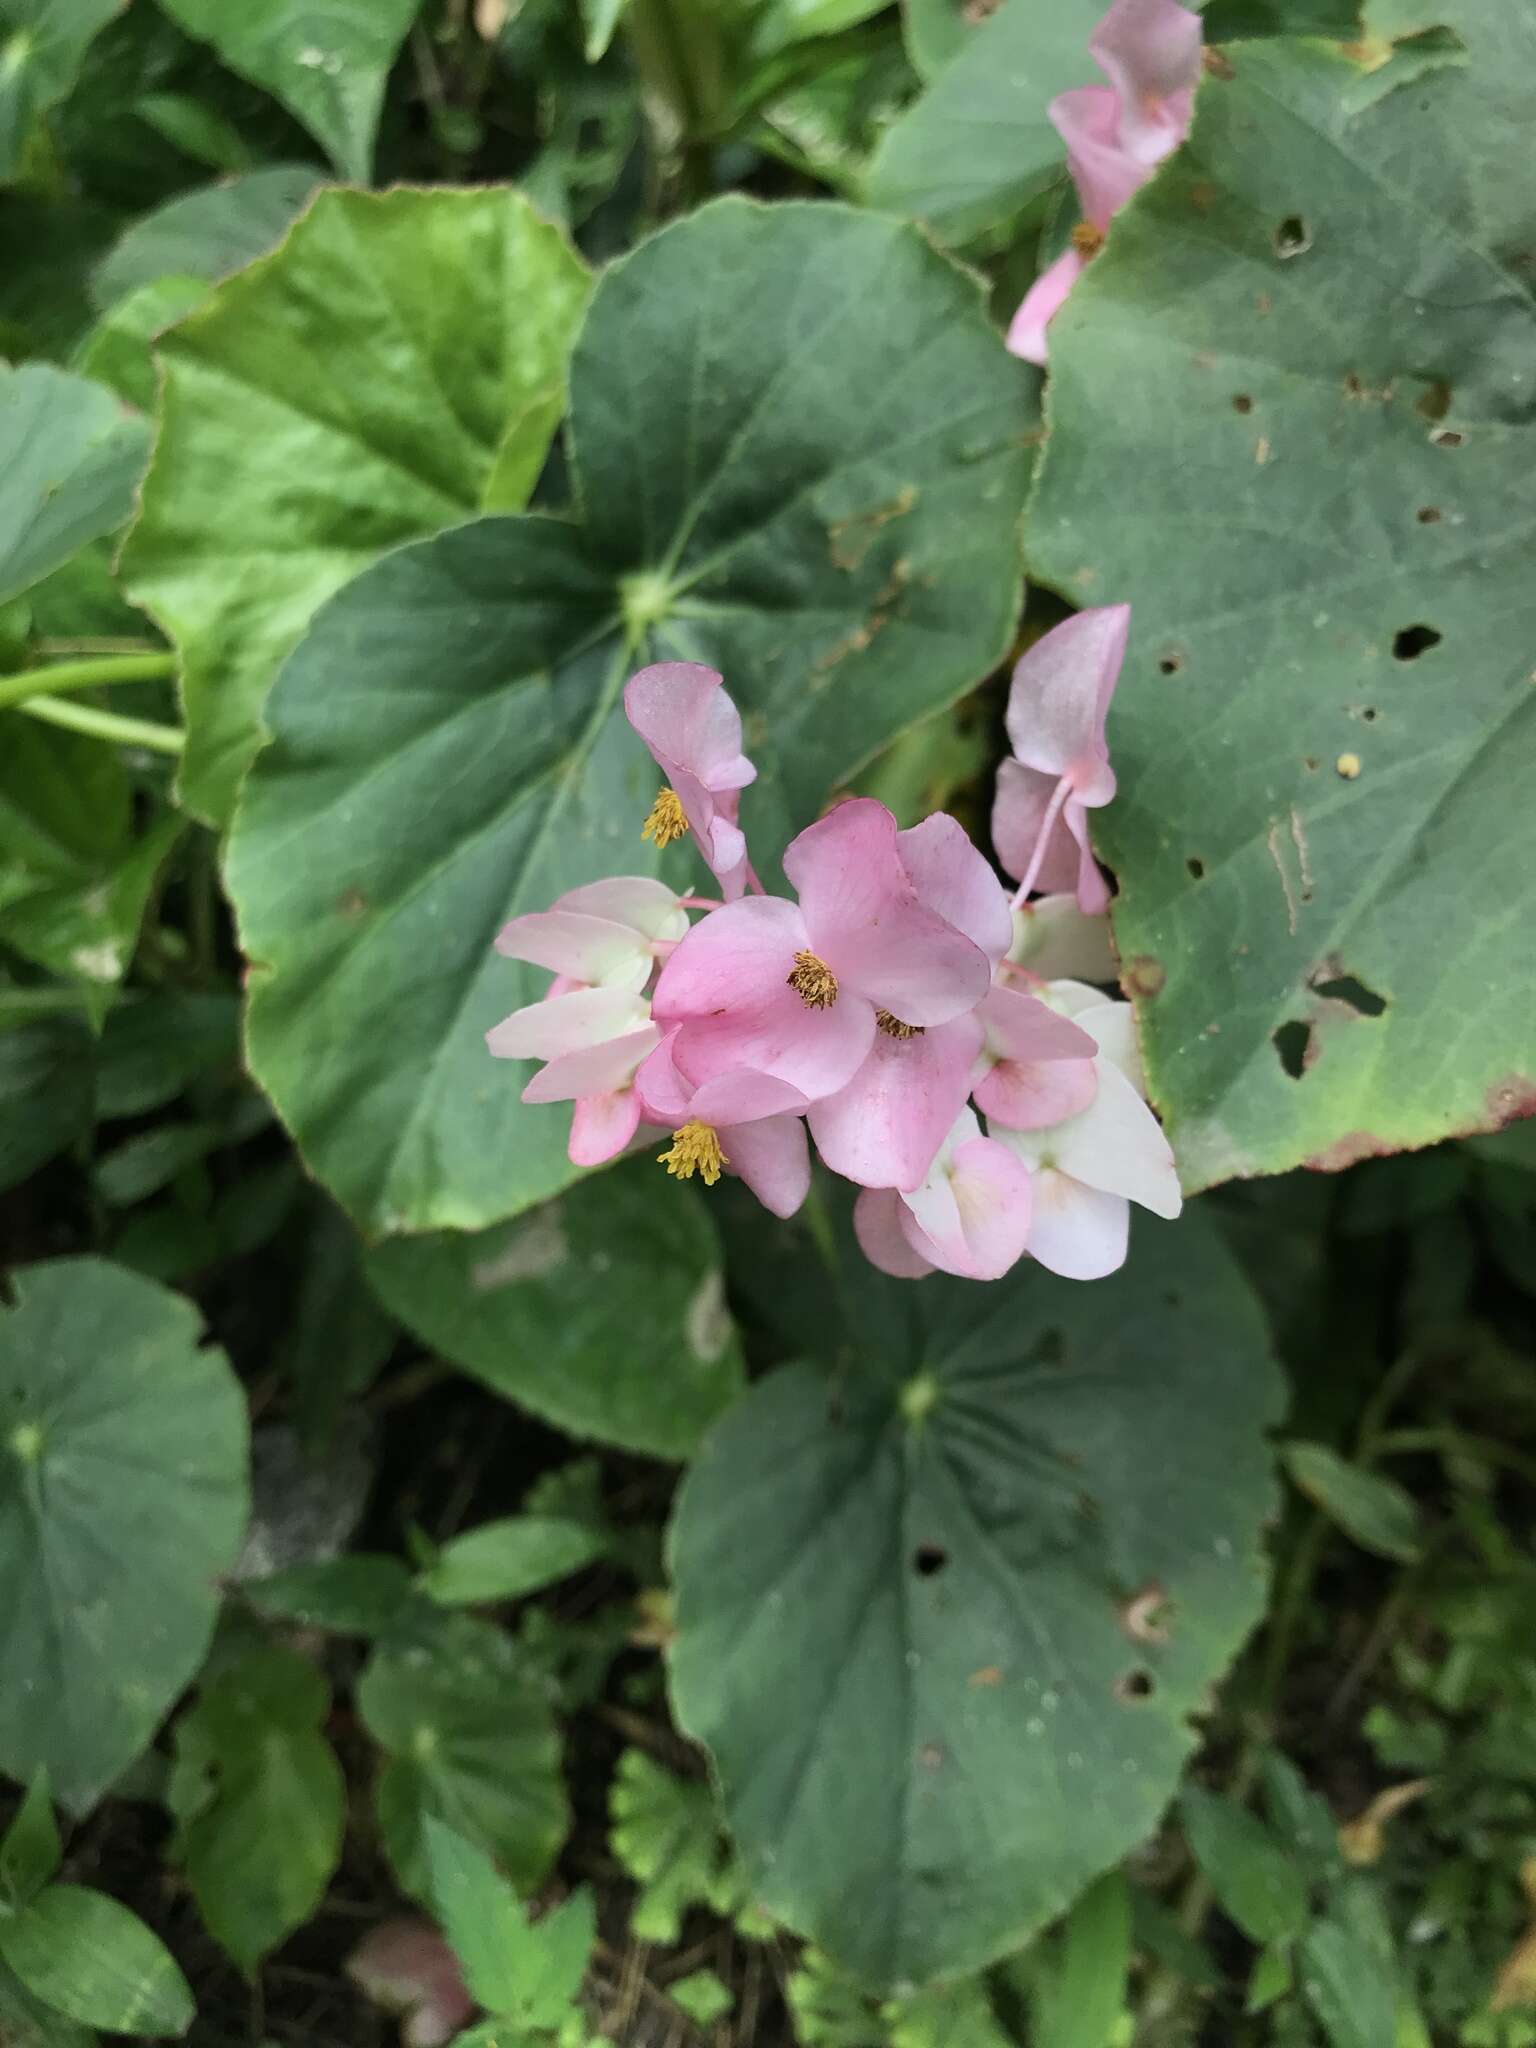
x=1104, y=169
x=1027, y=1095
x=864, y=919
x=405, y=1966
x=594, y=1069
x=1018, y=812
x=745, y=1098
x=569, y=1023
x=687, y=719
x=664, y=1094
x=639, y=901
x=884, y=1128
x=1040, y=305
x=734, y=958
x=1092, y=889
x=1078, y=1232
x=774, y=1159
x=593, y=950
x=1060, y=696
x=951, y=877
x=1021, y=1027
x=602, y=1125
x=1149, y=50
x=1115, y=1145
x=973, y=1219
x=1052, y=936
x=877, y=1224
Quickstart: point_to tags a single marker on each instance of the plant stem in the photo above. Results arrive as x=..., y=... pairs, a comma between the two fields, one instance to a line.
x=106, y=725
x=1399, y=1443
x=83, y=675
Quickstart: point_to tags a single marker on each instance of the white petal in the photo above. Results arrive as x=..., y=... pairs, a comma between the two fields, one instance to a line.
x=568, y=1023
x=1078, y=1232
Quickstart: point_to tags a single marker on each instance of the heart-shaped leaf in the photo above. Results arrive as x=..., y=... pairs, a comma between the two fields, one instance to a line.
x=122, y=1497
x=1000, y=1560
x=799, y=446
x=1330, y=281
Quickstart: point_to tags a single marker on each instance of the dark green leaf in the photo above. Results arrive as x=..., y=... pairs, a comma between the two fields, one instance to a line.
x=45, y=1092
x=206, y=234
x=1256, y=1882
x=30, y=1851
x=42, y=46
x=155, y=1045
x=526, y=1973
x=355, y=1595
x=505, y=1560
x=1375, y=1511
x=70, y=457
x=1347, y=1983
x=92, y=1960
x=196, y=129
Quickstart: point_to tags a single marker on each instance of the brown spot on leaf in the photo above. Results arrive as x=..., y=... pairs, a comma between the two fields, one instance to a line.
x=986, y=1679
x=352, y=903
x=930, y=1756
x=1203, y=195
x=1144, y=975
x=1144, y=1617
x=1349, y=1151
x=1510, y=1100
x=1216, y=63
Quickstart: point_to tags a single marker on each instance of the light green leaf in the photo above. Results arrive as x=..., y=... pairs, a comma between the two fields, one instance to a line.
x=973, y=151
x=964, y=1563
x=1273, y=1974
x=328, y=66
x=953, y=2015
x=25, y=2022
x=1357, y=663
x=1079, y=2002
x=469, y=1741
x=119, y=351
x=1257, y=1884
x=604, y=1313
x=359, y=1594
x=70, y=457
x=665, y=1831
x=505, y=1560
x=122, y=1497
x=45, y=1092
x=1375, y=1511
x=702, y=1996
x=264, y=1834
x=407, y=349
x=30, y=1851
x=799, y=444
x=935, y=32
x=206, y=234
x=526, y=1973
x=42, y=46
x=93, y=1960
x=600, y=18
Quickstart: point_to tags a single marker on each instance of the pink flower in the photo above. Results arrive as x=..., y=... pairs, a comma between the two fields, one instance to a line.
x=970, y=1216
x=1090, y=1167
x=1057, y=705
x=1116, y=135
x=797, y=992
x=1036, y=1066
x=407, y=1967
x=687, y=719
x=606, y=934
x=746, y=1124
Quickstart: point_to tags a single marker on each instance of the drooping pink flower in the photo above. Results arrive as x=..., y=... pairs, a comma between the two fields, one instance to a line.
x=746, y=1124
x=1090, y=1167
x=1116, y=135
x=406, y=1967
x=970, y=1216
x=797, y=991
x=686, y=718
x=1057, y=704
x=607, y=934
x=1035, y=1067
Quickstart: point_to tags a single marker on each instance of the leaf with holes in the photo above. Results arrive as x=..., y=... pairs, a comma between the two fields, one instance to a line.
x=799, y=444
x=1326, y=725
x=397, y=365
x=122, y=1497
x=1002, y=1565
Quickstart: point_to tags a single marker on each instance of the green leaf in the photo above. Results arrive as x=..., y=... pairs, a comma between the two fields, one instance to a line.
x=261, y=1842
x=1359, y=664
x=70, y=457
x=1273, y=1974
x=604, y=1313
x=122, y=1497
x=973, y=151
x=505, y=1560
x=206, y=234
x=784, y=421
x=30, y=1851
x=412, y=345
x=702, y=1996
x=359, y=1594
x=601, y=19
x=45, y=1092
x=469, y=1741
x=196, y=129
x=93, y=1960
x=965, y=1565
x=339, y=1337
x=665, y=1831
x=526, y=1973
x=42, y=46
x=935, y=32
x=1257, y=1884
x=1348, y=1983
x=155, y=1045
x=25, y=2022
x=1375, y=1511
x=119, y=351
x=1080, y=2002
x=327, y=67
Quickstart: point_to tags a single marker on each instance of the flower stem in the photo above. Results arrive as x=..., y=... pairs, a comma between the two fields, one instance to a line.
x=106, y=725
x=83, y=675
x=1047, y=827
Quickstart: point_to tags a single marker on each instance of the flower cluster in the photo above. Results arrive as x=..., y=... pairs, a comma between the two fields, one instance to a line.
x=943, y=1045
x=1116, y=136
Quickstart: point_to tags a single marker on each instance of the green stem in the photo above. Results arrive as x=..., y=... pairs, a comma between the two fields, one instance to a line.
x=106, y=725
x=83, y=675
x=1402, y=1443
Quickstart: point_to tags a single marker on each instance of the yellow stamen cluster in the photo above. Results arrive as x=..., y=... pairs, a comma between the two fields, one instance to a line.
x=667, y=821
x=1087, y=240
x=813, y=982
x=695, y=1149
x=894, y=1028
